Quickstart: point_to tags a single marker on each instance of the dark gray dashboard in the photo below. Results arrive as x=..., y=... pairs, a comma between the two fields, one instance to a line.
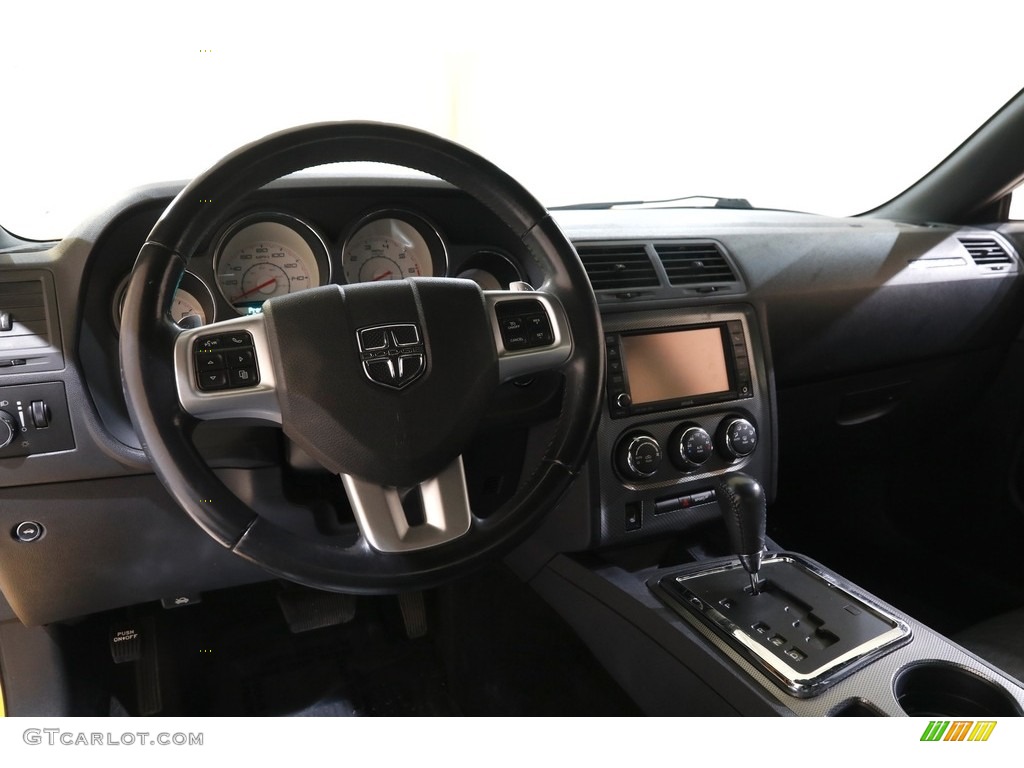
x=820, y=299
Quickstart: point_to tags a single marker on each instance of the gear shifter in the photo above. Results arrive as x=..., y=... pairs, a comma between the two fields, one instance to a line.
x=744, y=508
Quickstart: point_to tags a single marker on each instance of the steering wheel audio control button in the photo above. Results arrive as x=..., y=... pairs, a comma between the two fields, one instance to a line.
x=231, y=366
x=240, y=358
x=241, y=339
x=244, y=377
x=212, y=380
x=209, y=361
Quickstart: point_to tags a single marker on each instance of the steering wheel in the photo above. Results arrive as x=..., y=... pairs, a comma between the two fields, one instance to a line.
x=382, y=383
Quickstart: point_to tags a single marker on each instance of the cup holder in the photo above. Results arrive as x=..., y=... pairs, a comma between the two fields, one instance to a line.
x=944, y=690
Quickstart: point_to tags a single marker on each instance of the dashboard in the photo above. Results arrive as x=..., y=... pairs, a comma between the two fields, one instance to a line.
x=764, y=309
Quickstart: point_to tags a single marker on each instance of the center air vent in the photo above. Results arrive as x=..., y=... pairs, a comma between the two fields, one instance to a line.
x=618, y=266
x=695, y=263
x=986, y=252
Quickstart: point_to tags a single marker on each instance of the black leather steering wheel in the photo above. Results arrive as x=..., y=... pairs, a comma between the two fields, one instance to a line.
x=382, y=383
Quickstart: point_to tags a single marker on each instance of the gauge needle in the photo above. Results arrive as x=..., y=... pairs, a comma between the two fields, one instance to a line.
x=253, y=290
x=382, y=276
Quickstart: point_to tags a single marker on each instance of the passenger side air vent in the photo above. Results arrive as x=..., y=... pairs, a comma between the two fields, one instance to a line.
x=987, y=252
x=695, y=263
x=618, y=267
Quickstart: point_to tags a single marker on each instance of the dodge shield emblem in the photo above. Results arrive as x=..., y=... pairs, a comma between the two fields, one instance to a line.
x=393, y=355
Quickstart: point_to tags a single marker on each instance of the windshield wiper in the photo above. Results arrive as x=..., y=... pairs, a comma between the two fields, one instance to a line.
x=674, y=202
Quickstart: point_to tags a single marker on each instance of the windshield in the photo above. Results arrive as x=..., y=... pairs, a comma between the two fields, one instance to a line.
x=784, y=106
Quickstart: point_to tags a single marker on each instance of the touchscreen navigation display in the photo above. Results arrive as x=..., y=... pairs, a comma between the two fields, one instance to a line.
x=675, y=364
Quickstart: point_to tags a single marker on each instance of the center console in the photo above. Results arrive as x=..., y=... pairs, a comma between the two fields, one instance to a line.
x=675, y=618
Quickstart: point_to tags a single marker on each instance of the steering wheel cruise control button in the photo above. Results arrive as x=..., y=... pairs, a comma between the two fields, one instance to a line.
x=524, y=325
x=231, y=366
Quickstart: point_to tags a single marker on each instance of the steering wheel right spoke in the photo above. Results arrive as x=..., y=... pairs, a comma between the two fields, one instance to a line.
x=531, y=332
x=225, y=370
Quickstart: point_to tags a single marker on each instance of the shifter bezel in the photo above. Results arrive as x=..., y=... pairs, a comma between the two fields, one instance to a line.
x=699, y=593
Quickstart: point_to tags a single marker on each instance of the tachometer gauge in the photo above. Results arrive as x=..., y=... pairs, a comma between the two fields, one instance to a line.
x=186, y=310
x=391, y=245
x=191, y=306
x=268, y=254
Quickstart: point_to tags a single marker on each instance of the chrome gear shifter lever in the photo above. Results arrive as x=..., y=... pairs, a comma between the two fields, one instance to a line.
x=744, y=509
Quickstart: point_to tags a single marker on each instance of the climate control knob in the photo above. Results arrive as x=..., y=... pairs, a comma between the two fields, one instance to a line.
x=690, y=446
x=8, y=429
x=638, y=456
x=737, y=437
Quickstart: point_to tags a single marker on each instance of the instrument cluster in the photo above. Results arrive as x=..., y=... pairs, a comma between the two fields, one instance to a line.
x=266, y=253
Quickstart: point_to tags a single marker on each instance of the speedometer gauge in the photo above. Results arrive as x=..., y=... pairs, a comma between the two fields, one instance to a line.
x=391, y=245
x=265, y=255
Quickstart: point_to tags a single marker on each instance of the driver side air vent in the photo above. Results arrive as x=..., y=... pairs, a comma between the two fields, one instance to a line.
x=615, y=267
x=695, y=263
x=987, y=252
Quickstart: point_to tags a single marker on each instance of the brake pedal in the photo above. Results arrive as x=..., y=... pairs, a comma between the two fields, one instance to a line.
x=134, y=640
x=126, y=641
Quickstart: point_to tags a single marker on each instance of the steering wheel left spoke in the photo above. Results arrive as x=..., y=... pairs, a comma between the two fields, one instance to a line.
x=225, y=370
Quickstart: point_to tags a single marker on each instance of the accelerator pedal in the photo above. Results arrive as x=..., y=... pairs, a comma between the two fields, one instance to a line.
x=414, y=614
x=308, y=609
